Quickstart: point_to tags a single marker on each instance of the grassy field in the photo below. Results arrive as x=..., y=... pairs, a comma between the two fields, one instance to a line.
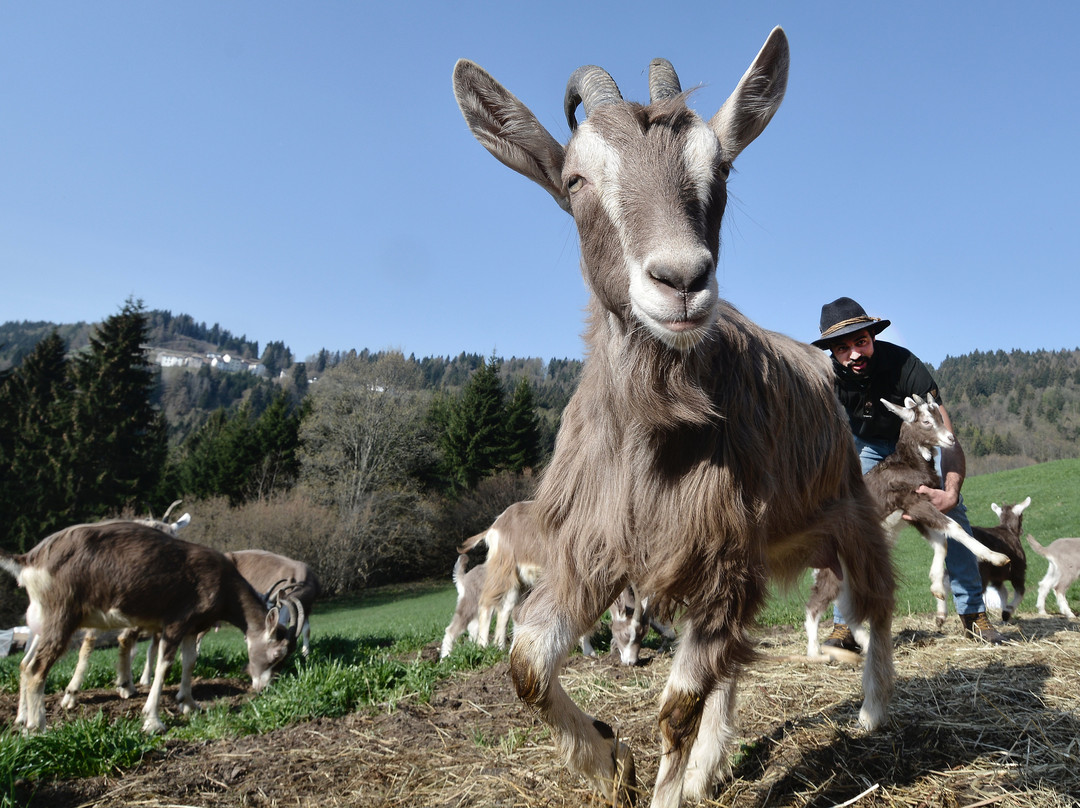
x=369, y=651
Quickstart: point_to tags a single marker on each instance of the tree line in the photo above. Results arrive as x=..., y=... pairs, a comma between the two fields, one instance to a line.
x=369, y=472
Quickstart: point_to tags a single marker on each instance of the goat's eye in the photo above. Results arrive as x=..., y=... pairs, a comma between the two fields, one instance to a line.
x=575, y=183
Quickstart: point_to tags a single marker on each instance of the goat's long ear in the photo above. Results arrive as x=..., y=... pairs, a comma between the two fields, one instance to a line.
x=506, y=128
x=904, y=413
x=1021, y=506
x=756, y=98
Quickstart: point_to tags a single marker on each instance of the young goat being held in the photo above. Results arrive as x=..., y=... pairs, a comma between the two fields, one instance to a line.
x=893, y=483
x=700, y=455
x=125, y=574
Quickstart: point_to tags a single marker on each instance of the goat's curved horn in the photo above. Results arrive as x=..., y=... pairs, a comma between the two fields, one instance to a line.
x=663, y=81
x=592, y=87
x=169, y=510
x=273, y=593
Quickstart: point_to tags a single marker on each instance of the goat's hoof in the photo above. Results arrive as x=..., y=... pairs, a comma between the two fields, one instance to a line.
x=68, y=701
x=872, y=717
x=1006, y=617
x=188, y=707
x=153, y=726
x=998, y=559
x=126, y=691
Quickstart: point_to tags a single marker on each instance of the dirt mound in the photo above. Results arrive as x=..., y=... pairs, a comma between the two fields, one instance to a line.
x=971, y=726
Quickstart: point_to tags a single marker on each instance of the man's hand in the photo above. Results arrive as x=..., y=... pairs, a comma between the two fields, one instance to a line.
x=944, y=501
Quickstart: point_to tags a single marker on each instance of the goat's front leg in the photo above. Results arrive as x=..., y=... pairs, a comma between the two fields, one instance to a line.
x=502, y=618
x=698, y=697
x=543, y=637
x=151, y=658
x=188, y=652
x=71, y=692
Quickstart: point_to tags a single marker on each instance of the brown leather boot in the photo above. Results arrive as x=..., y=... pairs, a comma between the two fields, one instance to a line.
x=978, y=626
x=842, y=637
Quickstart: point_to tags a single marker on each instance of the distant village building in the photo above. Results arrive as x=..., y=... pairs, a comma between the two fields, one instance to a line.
x=226, y=363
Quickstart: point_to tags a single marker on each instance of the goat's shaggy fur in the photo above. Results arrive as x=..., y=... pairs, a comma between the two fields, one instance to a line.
x=701, y=455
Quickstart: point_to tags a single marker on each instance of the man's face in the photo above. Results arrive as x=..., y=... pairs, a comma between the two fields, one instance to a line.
x=854, y=351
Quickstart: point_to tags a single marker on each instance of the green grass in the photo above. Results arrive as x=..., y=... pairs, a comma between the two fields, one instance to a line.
x=366, y=651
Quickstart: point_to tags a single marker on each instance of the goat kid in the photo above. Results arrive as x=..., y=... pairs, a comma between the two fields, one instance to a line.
x=700, y=454
x=1063, y=556
x=469, y=586
x=128, y=638
x=893, y=483
x=631, y=618
x=124, y=574
x=1004, y=539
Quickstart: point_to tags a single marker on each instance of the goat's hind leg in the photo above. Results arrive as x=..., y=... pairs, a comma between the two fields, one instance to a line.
x=543, y=637
x=71, y=692
x=188, y=652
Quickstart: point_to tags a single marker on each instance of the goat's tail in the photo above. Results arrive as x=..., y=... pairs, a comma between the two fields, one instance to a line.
x=470, y=543
x=1038, y=548
x=459, y=573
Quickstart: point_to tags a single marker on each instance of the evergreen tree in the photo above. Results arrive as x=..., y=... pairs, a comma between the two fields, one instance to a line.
x=36, y=401
x=117, y=440
x=522, y=429
x=474, y=443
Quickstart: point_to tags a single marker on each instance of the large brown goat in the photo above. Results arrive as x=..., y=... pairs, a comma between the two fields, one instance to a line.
x=700, y=455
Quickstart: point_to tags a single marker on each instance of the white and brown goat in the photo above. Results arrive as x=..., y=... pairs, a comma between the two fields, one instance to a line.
x=517, y=554
x=123, y=574
x=893, y=483
x=701, y=455
x=1063, y=556
x=289, y=584
x=127, y=638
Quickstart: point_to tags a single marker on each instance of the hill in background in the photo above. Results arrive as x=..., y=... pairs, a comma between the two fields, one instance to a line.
x=1010, y=409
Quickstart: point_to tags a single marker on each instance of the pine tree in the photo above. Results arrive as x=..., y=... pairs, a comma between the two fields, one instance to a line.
x=36, y=401
x=474, y=443
x=522, y=429
x=117, y=441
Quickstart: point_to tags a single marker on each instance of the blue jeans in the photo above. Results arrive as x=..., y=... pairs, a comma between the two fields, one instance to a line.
x=960, y=562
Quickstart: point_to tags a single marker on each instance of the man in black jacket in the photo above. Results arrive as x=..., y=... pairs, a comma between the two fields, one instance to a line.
x=867, y=370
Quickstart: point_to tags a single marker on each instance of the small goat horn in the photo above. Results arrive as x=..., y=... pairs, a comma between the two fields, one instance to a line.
x=663, y=81
x=592, y=87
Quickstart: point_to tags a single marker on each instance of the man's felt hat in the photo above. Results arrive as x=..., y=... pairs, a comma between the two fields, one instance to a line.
x=844, y=316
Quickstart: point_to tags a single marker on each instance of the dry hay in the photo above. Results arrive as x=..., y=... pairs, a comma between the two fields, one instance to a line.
x=971, y=726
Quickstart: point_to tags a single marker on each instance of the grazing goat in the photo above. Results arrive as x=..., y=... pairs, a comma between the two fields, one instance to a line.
x=701, y=454
x=892, y=482
x=631, y=618
x=1064, y=569
x=124, y=574
x=290, y=584
x=127, y=638
x=1004, y=539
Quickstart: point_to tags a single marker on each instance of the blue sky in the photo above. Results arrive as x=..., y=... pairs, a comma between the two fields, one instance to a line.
x=300, y=171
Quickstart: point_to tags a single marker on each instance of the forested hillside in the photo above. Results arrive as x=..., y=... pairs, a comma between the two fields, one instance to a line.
x=1013, y=409
x=371, y=466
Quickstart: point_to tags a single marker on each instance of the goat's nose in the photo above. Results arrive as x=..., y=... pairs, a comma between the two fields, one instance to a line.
x=683, y=277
